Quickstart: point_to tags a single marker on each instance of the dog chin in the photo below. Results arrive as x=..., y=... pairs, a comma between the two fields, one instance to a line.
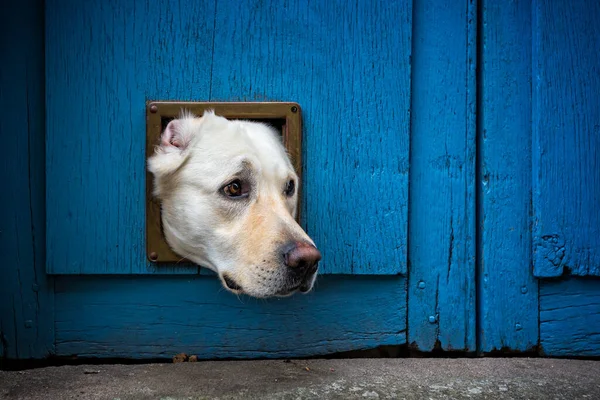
x=303, y=287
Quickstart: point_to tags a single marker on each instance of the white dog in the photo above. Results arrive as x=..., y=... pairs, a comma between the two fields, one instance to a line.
x=228, y=197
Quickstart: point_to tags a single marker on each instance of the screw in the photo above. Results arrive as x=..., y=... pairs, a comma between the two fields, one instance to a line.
x=524, y=289
x=432, y=319
x=518, y=327
x=153, y=109
x=153, y=256
x=294, y=109
x=35, y=287
x=421, y=285
x=28, y=323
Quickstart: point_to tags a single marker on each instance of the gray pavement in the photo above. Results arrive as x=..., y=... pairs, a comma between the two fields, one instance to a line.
x=493, y=378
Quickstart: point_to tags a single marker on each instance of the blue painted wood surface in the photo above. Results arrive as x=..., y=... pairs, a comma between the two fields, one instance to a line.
x=508, y=292
x=441, y=291
x=566, y=138
x=570, y=318
x=331, y=57
x=146, y=317
x=348, y=65
x=105, y=59
x=26, y=296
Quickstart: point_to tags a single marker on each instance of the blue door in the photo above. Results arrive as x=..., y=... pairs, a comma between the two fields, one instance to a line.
x=351, y=67
x=450, y=159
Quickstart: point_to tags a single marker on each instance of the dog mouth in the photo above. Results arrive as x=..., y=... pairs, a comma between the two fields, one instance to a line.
x=304, y=286
x=231, y=284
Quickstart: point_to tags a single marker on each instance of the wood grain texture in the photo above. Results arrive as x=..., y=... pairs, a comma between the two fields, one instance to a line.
x=570, y=318
x=26, y=296
x=441, y=291
x=348, y=65
x=104, y=60
x=566, y=138
x=146, y=317
x=508, y=292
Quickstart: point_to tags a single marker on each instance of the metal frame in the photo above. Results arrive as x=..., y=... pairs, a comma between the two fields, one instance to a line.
x=157, y=249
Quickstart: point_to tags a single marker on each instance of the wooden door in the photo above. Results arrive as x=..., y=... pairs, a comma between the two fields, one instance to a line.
x=387, y=91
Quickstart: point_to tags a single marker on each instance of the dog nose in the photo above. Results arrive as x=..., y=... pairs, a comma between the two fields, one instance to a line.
x=302, y=258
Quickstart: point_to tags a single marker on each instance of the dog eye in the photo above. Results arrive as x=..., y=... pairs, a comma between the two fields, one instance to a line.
x=290, y=188
x=236, y=189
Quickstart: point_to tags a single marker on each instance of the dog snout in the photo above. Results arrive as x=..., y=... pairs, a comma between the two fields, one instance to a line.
x=302, y=258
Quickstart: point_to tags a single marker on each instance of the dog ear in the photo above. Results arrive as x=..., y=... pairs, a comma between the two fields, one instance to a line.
x=175, y=135
x=172, y=151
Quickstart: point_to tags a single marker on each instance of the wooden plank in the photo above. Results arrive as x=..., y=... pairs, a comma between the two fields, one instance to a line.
x=26, y=296
x=146, y=317
x=139, y=50
x=441, y=291
x=570, y=318
x=104, y=60
x=508, y=292
x=566, y=138
x=348, y=65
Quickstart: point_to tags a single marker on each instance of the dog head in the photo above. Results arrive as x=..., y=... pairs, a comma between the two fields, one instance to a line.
x=228, y=196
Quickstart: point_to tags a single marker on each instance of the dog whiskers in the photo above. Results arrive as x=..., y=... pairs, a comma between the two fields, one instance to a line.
x=183, y=258
x=239, y=298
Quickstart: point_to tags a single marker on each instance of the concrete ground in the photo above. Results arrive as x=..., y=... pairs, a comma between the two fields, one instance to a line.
x=496, y=378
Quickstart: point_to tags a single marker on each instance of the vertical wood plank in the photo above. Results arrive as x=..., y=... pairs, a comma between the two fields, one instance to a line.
x=105, y=59
x=566, y=138
x=26, y=293
x=508, y=292
x=348, y=65
x=441, y=291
